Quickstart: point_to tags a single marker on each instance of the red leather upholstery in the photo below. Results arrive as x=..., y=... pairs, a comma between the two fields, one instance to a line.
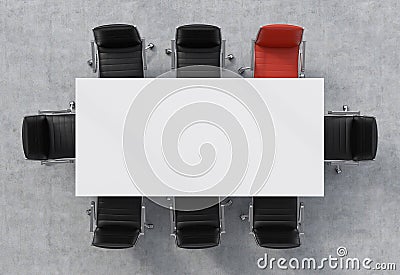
x=277, y=51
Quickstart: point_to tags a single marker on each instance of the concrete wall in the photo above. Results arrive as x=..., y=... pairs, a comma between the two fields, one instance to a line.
x=44, y=47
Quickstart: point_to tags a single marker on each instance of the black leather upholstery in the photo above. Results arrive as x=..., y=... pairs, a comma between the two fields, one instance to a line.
x=198, y=44
x=119, y=51
x=364, y=138
x=49, y=136
x=337, y=137
x=198, y=229
x=61, y=136
x=275, y=222
x=35, y=137
x=350, y=138
x=118, y=222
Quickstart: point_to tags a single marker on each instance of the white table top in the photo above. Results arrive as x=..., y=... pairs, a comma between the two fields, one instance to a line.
x=199, y=137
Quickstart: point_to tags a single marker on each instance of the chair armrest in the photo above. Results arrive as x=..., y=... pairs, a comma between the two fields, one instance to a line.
x=149, y=46
x=222, y=218
x=173, y=57
x=241, y=70
x=251, y=217
x=92, y=214
x=70, y=110
x=300, y=218
x=171, y=52
x=49, y=162
x=344, y=112
x=143, y=221
x=303, y=60
x=223, y=56
x=142, y=218
x=341, y=162
x=172, y=220
x=54, y=112
x=93, y=61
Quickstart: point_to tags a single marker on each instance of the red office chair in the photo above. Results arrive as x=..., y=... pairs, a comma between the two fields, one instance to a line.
x=277, y=52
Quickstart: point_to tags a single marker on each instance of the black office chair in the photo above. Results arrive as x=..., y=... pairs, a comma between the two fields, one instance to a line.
x=276, y=222
x=118, y=51
x=198, y=45
x=197, y=229
x=49, y=137
x=119, y=221
x=349, y=138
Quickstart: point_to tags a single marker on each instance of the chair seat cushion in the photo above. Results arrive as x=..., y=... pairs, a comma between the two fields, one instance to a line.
x=276, y=62
x=116, y=238
x=270, y=237
x=198, y=237
x=61, y=136
x=338, y=137
x=121, y=62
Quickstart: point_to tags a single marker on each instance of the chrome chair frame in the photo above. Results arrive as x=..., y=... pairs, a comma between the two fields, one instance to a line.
x=221, y=216
x=241, y=70
x=300, y=217
x=91, y=212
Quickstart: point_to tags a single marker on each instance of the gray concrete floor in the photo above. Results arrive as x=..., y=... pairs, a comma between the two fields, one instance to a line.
x=44, y=46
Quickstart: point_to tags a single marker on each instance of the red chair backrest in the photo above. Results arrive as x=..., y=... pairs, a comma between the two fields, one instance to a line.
x=277, y=51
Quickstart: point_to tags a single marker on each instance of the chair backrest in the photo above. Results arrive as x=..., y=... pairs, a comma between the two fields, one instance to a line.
x=119, y=212
x=364, y=138
x=119, y=51
x=198, y=44
x=276, y=52
x=49, y=136
x=275, y=212
x=35, y=137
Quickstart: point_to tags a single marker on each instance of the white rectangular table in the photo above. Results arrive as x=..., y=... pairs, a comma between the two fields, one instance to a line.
x=103, y=107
